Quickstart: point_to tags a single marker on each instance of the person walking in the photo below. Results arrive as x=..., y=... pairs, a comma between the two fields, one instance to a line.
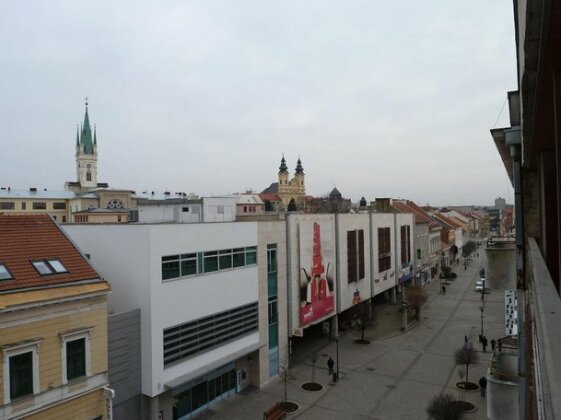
x=484, y=343
x=483, y=385
x=330, y=364
x=443, y=290
x=493, y=343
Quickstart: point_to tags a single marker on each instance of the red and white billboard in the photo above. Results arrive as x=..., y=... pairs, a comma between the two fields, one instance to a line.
x=317, y=272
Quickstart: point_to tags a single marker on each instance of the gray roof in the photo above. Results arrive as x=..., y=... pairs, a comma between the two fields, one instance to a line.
x=44, y=194
x=271, y=189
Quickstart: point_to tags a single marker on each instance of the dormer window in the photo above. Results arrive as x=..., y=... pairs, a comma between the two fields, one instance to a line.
x=5, y=273
x=47, y=267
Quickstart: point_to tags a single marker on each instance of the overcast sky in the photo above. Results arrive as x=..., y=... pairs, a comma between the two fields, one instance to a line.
x=379, y=98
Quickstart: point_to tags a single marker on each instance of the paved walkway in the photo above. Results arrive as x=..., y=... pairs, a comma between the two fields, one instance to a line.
x=393, y=377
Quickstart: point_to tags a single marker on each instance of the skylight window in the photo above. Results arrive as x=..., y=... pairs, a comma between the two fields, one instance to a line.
x=46, y=267
x=4, y=273
x=57, y=266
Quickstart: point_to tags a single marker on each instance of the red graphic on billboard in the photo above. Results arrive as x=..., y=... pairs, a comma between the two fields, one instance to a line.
x=316, y=287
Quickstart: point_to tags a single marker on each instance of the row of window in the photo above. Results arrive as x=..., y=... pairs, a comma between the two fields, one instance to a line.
x=176, y=266
x=43, y=268
x=23, y=365
x=36, y=205
x=203, y=334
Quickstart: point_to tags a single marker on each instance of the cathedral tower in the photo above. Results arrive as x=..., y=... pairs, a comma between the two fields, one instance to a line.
x=283, y=177
x=86, y=155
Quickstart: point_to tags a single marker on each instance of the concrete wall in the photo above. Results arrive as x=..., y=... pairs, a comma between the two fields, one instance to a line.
x=212, y=207
x=500, y=271
x=170, y=213
x=124, y=349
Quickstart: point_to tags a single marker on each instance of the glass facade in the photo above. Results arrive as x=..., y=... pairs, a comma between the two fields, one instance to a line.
x=273, y=315
x=199, y=394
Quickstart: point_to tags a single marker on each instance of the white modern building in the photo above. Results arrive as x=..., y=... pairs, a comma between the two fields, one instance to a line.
x=197, y=287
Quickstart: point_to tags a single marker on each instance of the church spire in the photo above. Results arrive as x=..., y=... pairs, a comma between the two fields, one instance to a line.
x=77, y=135
x=86, y=138
x=299, y=168
x=95, y=135
x=283, y=168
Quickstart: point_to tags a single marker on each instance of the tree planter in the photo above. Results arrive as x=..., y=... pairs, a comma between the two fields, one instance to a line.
x=312, y=387
x=289, y=407
x=468, y=386
x=464, y=406
x=361, y=341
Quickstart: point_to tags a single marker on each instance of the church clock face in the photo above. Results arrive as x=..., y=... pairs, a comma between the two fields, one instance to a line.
x=115, y=204
x=89, y=166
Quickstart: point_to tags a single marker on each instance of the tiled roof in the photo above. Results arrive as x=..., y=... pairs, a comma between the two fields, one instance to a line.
x=410, y=207
x=404, y=208
x=26, y=238
x=447, y=220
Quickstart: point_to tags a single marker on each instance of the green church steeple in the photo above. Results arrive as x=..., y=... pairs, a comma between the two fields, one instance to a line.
x=86, y=135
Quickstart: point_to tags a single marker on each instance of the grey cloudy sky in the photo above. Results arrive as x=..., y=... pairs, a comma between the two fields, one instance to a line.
x=379, y=98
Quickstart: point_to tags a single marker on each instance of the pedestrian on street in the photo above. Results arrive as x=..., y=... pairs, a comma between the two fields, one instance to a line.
x=483, y=385
x=330, y=364
x=493, y=343
x=469, y=344
x=443, y=290
x=484, y=343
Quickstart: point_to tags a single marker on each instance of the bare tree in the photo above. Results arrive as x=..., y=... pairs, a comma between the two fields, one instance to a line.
x=363, y=317
x=443, y=407
x=284, y=372
x=466, y=356
x=314, y=359
x=416, y=298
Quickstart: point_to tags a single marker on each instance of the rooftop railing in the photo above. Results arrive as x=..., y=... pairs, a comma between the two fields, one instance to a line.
x=545, y=318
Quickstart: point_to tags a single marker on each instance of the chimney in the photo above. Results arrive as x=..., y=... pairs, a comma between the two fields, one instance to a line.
x=383, y=205
x=33, y=189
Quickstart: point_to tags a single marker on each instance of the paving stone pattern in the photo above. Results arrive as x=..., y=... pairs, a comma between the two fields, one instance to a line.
x=396, y=375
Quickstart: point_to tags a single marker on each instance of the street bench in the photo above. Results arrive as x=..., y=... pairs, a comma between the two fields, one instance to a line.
x=276, y=412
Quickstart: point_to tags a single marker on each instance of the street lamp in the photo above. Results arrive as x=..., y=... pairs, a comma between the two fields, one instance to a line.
x=337, y=355
x=482, y=308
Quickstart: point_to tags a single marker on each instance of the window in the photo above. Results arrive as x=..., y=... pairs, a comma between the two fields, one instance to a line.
x=7, y=205
x=39, y=205
x=46, y=267
x=4, y=272
x=220, y=209
x=75, y=358
x=23, y=205
x=175, y=266
x=355, y=255
x=75, y=354
x=210, y=261
x=88, y=176
x=185, y=209
x=59, y=206
x=405, y=232
x=384, y=249
x=21, y=375
x=21, y=363
x=203, y=334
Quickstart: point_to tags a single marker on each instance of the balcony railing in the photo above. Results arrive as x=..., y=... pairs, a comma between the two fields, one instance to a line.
x=545, y=319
